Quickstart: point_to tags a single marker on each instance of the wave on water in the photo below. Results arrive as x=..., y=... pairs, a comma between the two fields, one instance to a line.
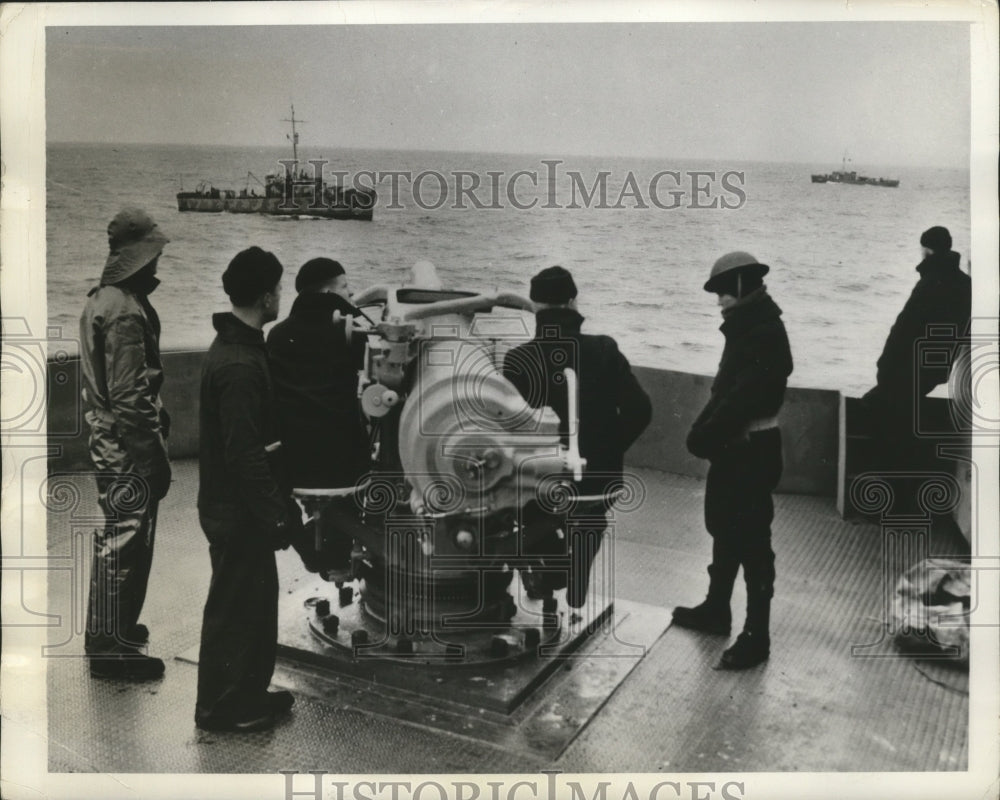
x=637, y=304
x=853, y=287
x=639, y=271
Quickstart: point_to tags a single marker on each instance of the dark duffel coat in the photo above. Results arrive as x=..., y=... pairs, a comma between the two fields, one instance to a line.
x=614, y=409
x=315, y=372
x=941, y=297
x=752, y=377
x=238, y=482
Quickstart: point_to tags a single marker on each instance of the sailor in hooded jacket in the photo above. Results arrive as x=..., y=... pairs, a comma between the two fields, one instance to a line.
x=122, y=376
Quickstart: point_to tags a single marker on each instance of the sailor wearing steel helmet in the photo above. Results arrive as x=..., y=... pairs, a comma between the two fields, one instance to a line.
x=737, y=432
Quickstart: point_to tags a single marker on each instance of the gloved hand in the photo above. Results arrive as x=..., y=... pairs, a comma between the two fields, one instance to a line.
x=704, y=445
x=281, y=535
x=159, y=482
x=739, y=443
x=700, y=445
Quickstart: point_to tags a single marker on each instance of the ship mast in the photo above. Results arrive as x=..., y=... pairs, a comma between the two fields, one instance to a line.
x=294, y=138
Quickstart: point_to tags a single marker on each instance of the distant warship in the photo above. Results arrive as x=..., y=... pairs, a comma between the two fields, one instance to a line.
x=286, y=194
x=843, y=175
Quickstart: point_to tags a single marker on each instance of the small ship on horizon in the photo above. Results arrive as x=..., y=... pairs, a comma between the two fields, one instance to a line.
x=843, y=175
x=288, y=194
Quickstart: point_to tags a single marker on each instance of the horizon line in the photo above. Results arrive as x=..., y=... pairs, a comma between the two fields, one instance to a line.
x=462, y=151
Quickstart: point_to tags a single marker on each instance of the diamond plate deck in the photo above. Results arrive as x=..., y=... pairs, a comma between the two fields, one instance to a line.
x=813, y=707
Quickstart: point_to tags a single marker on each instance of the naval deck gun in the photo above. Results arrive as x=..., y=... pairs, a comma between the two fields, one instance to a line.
x=466, y=480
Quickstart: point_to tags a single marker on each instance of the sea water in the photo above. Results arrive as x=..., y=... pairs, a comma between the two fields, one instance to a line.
x=842, y=257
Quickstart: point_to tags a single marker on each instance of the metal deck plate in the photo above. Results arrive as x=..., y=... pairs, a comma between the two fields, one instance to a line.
x=814, y=706
x=477, y=678
x=534, y=704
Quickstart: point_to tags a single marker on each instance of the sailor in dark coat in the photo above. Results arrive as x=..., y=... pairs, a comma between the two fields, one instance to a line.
x=613, y=408
x=942, y=297
x=244, y=514
x=738, y=433
x=314, y=364
x=315, y=361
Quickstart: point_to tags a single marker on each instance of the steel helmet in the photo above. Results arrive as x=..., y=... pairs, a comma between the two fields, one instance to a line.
x=737, y=260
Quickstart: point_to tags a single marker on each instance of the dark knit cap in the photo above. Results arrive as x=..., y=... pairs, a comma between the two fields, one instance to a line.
x=250, y=274
x=316, y=272
x=937, y=239
x=553, y=285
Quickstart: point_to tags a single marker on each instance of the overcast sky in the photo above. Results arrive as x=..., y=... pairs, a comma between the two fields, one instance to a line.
x=891, y=93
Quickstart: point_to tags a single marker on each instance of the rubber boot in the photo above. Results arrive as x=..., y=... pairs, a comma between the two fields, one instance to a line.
x=753, y=645
x=713, y=615
x=137, y=634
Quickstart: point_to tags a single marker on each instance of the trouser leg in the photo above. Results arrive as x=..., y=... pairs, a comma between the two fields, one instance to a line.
x=122, y=557
x=336, y=542
x=585, y=540
x=722, y=488
x=756, y=470
x=544, y=539
x=323, y=544
x=756, y=555
x=239, y=628
x=713, y=614
x=144, y=566
x=722, y=574
x=758, y=621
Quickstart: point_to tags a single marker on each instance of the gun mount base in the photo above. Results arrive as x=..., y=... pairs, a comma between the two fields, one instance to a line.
x=494, y=666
